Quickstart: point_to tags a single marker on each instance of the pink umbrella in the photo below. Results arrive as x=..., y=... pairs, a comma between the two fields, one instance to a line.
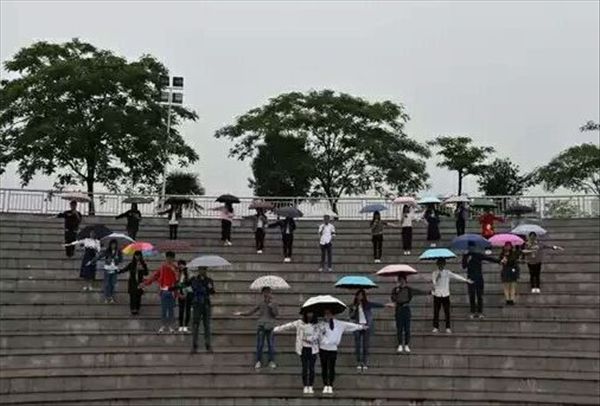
x=396, y=269
x=499, y=240
x=405, y=200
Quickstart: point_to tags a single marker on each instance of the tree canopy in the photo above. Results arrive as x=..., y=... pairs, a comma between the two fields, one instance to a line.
x=88, y=116
x=460, y=155
x=183, y=183
x=356, y=146
x=590, y=126
x=503, y=178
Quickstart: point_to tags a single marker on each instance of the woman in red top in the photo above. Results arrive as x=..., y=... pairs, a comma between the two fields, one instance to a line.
x=166, y=277
x=487, y=220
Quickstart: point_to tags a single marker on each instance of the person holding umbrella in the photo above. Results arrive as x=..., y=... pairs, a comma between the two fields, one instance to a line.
x=326, y=234
x=441, y=293
x=510, y=272
x=133, y=216
x=72, y=221
x=472, y=261
x=91, y=246
x=137, y=270
x=166, y=277
x=534, y=254
x=267, y=316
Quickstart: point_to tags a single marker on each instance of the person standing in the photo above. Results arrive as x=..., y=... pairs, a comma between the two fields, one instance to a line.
x=487, y=220
x=406, y=222
x=91, y=247
x=133, y=217
x=432, y=217
x=377, y=236
x=72, y=221
x=441, y=293
x=226, y=222
x=361, y=312
x=510, y=272
x=184, y=296
x=260, y=223
x=472, y=263
x=112, y=258
x=166, y=277
x=461, y=214
x=287, y=226
x=137, y=270
x=534, y=254
x=401, y=297
x=326, y=234
x=174, y=212
x=267, y=316
x=331, y=334
x=307, y=346
x=202, y=288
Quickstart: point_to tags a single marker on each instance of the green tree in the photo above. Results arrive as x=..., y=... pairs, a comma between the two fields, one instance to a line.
x=503, y=178
x=183, y=183
x=356, y=146
x=282, y=167
x=576, y=168
x=590, y=126
x=88, y=116
x=458, y=154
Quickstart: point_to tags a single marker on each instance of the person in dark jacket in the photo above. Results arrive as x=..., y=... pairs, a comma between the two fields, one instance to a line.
x=509, y=259
x=287, y=226
x=91, y=247
x=72, y=221
x=175, y=213
x=202, y=288
x=184, y=297
x=137, y=270
x=133, y=217
x=533, y=252
x=432, y=216
x=361, y=312
x=112, y=258
x=401, y=297
x=460, y=215
x=472, y=262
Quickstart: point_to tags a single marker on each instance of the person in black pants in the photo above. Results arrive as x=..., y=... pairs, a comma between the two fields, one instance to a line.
x=260, y=223
x=137, y=272
x=287, y=225
x=184, y=297
x=401, y=297
x=72, y=221
x=226, y=221
x=133, y=216
x=202, y=288
x=174, y=212
x=461, y=213
x=472, y=262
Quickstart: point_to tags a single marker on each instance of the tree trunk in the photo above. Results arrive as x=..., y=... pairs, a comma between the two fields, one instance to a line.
x=90, y=191
x=460, y=179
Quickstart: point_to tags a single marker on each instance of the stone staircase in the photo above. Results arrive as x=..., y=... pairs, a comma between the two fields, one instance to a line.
x=59, y=345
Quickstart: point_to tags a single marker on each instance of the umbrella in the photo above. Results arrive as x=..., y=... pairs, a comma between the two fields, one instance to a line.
x=79, y=197
x=483, y=203
x=208, y=261
x=121, y=238
x=145, y=247
x=396, y=269
x=437, y=253
x=227, y=199
x=269, y=281
x=372, y=208
x=468, y=241
x=138, y=200
x=410, y=201
x=261, y=204
x=457, y=199
x=173, y=245
x=519, y=209
x=429, y=200
x=289, y=212
x=526, y=229
x=499, y=240
x=318, y=304
x=100, y=231
x=355, y=282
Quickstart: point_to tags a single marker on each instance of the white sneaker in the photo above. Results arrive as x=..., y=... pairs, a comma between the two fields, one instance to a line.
x=472, y=315
x=180, y=329
x=433, y=245
x=320, y=269
x=538, y=290
x=310, y=390
x=330, y=390
x=364, y=368
x=161, y=330
x=84, y=288
x=171, y=330
x=325, y=389
x=229, y=243
x=448, y=331
x=359, y=368
x=287, y=260
x=532, y=290
x=400, y=349
x=435, y=330
x=406, y=349
x=259, y=252
x=258, y=365
x=272, y=365
x=305, y=391
x=378, y=261
x=407, y=252
x=330, y=270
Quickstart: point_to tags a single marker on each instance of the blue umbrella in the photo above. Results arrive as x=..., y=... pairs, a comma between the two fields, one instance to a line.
x=372, y=208
x=437, y=253
x=429, y=200
x=355, y=282
x=469, y=241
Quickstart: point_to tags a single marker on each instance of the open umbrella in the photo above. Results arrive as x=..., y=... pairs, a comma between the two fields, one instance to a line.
x=429, y=200
x=173, y=245
x=269, y=281
x=288, y=212
x=79, y=197
x=499, y=240
x=261, y=204
x=355, y=282
x=227, y=199
x=407, y=200
x=318, y=304
x=145, y=247
x=519, y=209
x=208, y=261
x=121, y=238
x=395, y=270
x=483, y=203
x=526, y=229
x=457, y=199
x=138, y=200
x=467, y=241
x=437, y=253
x=100, y=231
x=372, y=208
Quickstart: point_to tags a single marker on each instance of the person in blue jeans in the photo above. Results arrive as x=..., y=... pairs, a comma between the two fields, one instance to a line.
x=267, y=317
x=401, y=297
x=112, y=258
x=361, y=312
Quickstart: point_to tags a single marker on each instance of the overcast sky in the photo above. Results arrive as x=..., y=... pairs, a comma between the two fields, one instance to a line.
x=520, y=76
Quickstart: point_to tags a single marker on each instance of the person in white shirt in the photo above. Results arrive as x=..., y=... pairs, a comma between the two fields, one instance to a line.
x=331, y=335
x=87, y=271
x=226, y=217
x=441, y=293
x=406, y=222
x=307, y=346
x=326, y=234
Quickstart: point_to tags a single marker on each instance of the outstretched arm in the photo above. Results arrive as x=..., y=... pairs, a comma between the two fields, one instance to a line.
x=286, y=326
x=350, y=327
x=459, y=278
x=248, y=313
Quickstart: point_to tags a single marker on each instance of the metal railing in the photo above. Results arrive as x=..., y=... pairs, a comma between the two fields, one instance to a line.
x=111, y=204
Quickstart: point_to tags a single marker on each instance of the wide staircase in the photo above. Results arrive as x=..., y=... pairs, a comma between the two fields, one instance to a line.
x=59, y=345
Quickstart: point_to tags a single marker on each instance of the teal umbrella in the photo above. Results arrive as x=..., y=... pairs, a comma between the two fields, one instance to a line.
x=437, y=253
x=355, y=282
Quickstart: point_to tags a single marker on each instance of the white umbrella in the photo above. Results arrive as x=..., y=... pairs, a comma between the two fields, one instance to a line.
x=410, y=201
x=269, y=281
x=79, y=197
x=122, y=239
x=317, y=304
x=457, y=199
x=208, y=261
x=526, y=229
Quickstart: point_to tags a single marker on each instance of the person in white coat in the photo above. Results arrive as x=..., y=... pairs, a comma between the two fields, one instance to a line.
x=331, y=334
x=441, y=293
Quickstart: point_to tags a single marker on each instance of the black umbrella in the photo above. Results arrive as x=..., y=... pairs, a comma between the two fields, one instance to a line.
x=288, y=212
x=228, y=199
x=100, y=231
x=519, y=209
x=138, y=200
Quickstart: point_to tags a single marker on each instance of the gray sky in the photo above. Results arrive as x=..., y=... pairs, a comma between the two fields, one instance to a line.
x=520, y=76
